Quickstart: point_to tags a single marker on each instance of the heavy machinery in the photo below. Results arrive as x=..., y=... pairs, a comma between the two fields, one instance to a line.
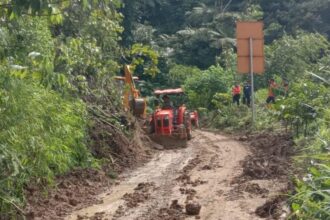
x=170, y=124
x=132, y=99
x=194, y=119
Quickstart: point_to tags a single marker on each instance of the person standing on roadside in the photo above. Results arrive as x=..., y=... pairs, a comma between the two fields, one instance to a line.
x=236, y=92
x=271, y=91
x=247, y=93
x=285, y=85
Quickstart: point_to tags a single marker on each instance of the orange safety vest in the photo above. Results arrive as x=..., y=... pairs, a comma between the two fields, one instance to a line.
x=236, y=90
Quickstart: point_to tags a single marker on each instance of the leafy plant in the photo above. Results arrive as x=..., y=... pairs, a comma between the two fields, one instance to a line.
x=201, y=88
x=42, y=135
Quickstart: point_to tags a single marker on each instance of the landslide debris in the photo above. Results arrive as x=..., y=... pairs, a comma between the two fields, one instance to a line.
x=254, y=188
x=173, y=212
x=110, y=143
x=184, y=177
x=74, y=190
x=273, y=208
x=270, y=157
x=141, y=194
x=79, y=188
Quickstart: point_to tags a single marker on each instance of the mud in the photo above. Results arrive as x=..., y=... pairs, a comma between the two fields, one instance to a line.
x=190, y=193
x=272, y=208
x=174, y=212
x=113, y=146
x=214, y=173
x=140, y=195
x=185, y=177
x=80, y=188
x=191, y=164
x=270, y=158
x=76, y=189
x=254, y=188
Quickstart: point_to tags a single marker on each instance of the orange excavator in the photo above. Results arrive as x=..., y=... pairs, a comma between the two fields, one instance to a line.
x=132, y=99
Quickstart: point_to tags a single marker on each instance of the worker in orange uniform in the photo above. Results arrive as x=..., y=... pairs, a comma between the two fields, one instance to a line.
x=236, y=92
x=271, y=91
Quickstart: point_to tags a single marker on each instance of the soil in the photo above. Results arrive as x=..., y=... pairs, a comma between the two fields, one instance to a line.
x=173, y=212
x=112, y=145
x=77, y=189
x=271, y=156
x=214, y=177
x=80, y=188
x=140, y=195
x=273, y=208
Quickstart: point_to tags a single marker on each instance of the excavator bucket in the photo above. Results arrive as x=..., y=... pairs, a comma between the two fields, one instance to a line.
x=139, y=107
x=177, y=139
x=169, y=142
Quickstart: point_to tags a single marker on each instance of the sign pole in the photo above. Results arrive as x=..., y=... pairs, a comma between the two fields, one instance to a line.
x=250, y=54
x=252, y=81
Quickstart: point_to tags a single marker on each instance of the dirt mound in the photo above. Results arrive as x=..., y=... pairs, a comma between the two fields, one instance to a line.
x=184, y=177
x=98, y=216
x=173, y=212
x=198, y=182
x=191, y=164
x=279, y=145
x=112, y=144
x=254, y=188
x=189, y=192
x=186, y=180
x=119, y=212
x=272, y=208
x=140, y=195
x=207, y=167
x=237, y=192
x=264, y=167
x=271, y=155
x=74, y=190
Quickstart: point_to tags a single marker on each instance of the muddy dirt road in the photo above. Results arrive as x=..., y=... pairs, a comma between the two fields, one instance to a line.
x=204, y=175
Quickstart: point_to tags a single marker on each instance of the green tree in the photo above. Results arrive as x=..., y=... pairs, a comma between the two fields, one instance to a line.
x=291, y=57
x=201, y=88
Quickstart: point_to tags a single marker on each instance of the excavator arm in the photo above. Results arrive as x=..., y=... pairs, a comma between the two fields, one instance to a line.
x=132, y=99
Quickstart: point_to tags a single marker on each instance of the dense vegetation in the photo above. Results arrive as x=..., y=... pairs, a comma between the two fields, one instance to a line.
x=58, y=59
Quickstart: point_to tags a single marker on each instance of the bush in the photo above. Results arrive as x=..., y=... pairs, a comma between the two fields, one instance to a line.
x=313, y=197
x=202, y=87
x=42, y=135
